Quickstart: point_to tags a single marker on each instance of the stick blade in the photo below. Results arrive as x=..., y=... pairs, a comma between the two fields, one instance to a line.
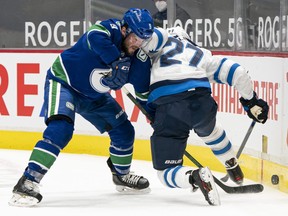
x=225, y=178
x=252, y=188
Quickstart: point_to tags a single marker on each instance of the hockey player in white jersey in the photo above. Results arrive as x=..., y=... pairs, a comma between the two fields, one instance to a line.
x=180, y=100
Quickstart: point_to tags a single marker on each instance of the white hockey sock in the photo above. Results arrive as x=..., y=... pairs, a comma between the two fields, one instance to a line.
x=220, y=144
x=175, y=177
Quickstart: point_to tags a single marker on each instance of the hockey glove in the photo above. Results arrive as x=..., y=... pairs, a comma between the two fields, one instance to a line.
x=119, y=74
x=257, y=109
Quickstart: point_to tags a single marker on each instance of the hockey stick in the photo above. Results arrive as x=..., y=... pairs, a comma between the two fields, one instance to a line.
x=133, y=99
x=253, y=188
x=249, y=131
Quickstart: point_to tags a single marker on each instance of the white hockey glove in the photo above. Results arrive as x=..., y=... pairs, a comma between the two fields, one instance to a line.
x=257, y=109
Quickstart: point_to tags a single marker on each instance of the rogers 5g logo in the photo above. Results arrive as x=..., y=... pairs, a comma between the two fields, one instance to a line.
x=96, y=78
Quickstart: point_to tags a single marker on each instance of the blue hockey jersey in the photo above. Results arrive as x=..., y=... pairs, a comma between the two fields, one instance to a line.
x=82, y=66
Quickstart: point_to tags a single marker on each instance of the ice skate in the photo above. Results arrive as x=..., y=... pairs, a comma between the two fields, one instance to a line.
x=203, y=179
x=25, y=193
x=129, y=183
x=234, y=171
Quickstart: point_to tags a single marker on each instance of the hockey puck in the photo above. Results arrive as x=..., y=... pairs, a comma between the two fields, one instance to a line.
x=275, y=179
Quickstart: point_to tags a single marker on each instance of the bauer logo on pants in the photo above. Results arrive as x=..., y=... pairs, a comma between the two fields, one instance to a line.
x=173, y=161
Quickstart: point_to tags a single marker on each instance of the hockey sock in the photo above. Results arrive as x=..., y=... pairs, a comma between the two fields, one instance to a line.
x=175, y=177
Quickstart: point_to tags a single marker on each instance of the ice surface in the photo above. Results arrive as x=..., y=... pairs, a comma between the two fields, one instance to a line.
x=82, y=185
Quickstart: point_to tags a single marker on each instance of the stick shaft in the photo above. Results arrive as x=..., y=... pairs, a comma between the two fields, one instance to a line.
x=133, y=99
x=250, y=129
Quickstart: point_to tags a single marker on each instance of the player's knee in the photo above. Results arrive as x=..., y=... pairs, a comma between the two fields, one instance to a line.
x=215, y=134
x=123, y=134
x=59, y=132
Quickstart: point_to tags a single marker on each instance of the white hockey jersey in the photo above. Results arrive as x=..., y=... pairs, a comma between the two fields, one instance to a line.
x=179, y=65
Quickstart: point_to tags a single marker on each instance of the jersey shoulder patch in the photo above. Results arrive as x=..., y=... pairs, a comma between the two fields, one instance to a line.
x=141, y=55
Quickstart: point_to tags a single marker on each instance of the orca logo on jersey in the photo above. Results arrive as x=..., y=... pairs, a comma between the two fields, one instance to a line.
x=96, y=78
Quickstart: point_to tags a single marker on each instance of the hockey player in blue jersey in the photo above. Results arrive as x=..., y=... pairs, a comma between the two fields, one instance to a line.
x=79, y=81
x=177, y=93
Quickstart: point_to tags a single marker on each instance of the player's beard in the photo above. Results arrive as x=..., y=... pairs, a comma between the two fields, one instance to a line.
x=124, y=48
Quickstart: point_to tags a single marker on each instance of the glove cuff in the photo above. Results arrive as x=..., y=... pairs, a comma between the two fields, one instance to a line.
x=249, y=103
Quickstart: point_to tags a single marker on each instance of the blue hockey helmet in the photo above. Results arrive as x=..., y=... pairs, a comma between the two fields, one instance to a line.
x=139, y=22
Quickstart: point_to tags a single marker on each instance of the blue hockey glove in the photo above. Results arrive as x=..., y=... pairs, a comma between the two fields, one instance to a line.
x=119, y=74
x=257, y=109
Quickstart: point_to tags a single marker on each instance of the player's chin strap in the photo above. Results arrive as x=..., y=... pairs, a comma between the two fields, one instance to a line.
x=253, y=188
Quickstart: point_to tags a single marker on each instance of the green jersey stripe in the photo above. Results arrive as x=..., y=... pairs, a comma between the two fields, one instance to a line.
x=59, y=71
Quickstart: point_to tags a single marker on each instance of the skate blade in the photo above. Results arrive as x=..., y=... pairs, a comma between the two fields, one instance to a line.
x=127, y=190
x=213, y=195
x=21, y=200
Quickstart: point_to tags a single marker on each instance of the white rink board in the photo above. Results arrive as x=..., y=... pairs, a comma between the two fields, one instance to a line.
x=269, y=73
